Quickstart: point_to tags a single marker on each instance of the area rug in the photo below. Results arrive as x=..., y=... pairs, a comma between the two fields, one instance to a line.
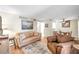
x=36, y=48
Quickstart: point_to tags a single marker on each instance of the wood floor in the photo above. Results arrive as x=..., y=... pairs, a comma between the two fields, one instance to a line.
x=14, y=50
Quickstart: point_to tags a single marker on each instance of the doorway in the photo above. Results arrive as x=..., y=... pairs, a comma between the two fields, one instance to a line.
x=40, y=28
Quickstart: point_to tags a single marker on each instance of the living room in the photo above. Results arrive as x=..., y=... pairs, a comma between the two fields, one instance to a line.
x=43, y=21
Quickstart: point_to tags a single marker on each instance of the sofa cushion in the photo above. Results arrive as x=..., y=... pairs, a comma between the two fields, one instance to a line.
x=61, y=39
x=51, y=38
x=31, y=34
x=64, y=37
x=36, y=34
x=28, y=34
x=67, y=37
x=66, y=47
x=28, y=41
x=22, y=36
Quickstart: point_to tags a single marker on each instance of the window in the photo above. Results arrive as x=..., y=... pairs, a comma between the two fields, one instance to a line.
x=54, y=25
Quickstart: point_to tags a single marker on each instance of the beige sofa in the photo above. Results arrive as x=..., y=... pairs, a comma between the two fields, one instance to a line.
x=25, y=38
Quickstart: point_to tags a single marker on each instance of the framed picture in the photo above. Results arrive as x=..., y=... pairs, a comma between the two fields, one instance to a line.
x=46, y=25
x=66, y=23
x=25, y=25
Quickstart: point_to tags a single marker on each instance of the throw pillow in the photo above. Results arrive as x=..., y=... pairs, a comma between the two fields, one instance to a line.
x=22, y=37
x=64, y=37
x=61, y=39
x=68, y=36
x=51, y=38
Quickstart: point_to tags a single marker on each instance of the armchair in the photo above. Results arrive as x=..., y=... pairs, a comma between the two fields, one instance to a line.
x=60, y=43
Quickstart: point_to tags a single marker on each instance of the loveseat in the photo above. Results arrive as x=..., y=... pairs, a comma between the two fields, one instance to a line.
x=60, y=42
x=25, y=38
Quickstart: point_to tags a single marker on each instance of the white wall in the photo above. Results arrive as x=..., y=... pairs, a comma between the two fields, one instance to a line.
x=13, y=22
x=42, y=29
x=73, y=27
x=59, y=27
x=78, y=28
x=10, y=22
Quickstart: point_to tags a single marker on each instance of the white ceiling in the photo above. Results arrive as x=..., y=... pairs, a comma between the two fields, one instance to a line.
x=24, y=10
x=41, y=10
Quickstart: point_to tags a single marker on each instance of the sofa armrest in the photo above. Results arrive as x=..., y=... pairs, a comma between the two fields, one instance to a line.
x=54, y=47
x=72, y=38
x=17, y=41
